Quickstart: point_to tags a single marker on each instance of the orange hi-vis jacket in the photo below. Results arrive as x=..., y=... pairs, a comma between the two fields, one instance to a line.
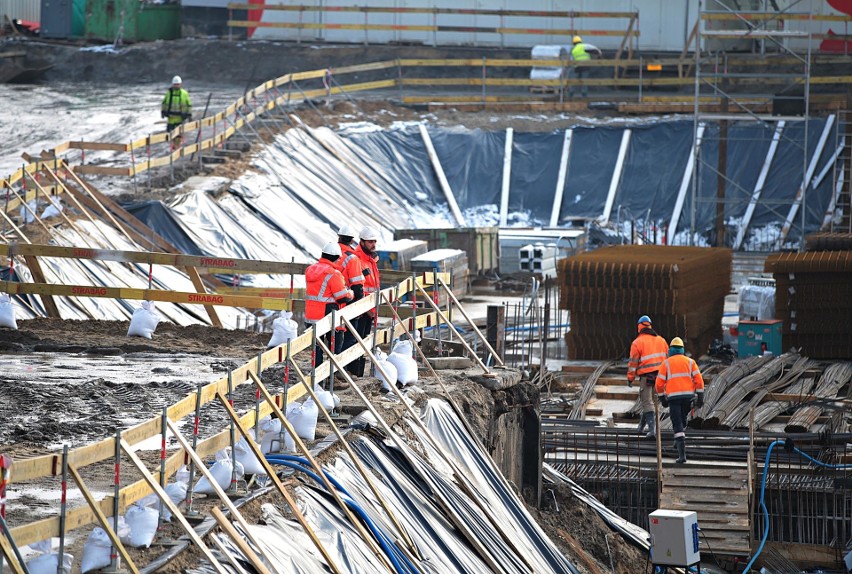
x=326, y=290
x=647, y=353
x=679, y=377
x=372, y=282
x=350, y=265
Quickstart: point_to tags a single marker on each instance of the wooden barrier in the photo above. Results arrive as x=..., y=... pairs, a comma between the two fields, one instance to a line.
x=48, y=465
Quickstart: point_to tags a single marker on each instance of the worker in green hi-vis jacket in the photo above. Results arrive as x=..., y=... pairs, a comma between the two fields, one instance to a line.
x=176, y=107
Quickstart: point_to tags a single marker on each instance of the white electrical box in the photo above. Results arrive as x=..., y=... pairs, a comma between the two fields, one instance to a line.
x=674, y=538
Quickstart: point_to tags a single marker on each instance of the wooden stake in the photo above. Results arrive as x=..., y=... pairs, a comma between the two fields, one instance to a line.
x=470, y=322
x=229, y=529
x=332, y=490
x=155, y=486
x=93, y=504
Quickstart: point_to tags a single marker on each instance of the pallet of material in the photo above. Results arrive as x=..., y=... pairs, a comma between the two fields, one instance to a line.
x=683, y=289
x=397, y=254
x=452, y=261
x=480, y=244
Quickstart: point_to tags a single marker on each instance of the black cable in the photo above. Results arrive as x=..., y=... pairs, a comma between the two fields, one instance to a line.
x=707, y=542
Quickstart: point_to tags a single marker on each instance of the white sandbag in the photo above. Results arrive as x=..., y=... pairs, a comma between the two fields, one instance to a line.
x=247, y=458
x=382, y=364
x=304, y=419
x=7, y=312
x=221, y=473
x=53, y=209
x=28, y=215
x=144, y=321
x=42, y=547
x=143, y=526
x=96, y=551
x=284, y=329
x=406, y=367
x=177, y=494
x=47, y=563
x=325, y=398
x=271, y=435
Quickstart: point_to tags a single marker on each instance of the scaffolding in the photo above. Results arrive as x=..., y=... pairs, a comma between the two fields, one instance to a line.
x=775, y=95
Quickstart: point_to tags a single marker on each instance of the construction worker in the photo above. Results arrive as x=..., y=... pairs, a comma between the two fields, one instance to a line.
x=678, y=383
x=176, y=107
x=366, y=252
x=647, y=353
x=579, y=70
x=326, y=291
x=350, y=267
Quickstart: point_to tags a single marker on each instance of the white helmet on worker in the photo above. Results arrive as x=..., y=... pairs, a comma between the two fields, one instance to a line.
x=347, y=230
x=369, y=234
x=176, y=81
x=331, y=248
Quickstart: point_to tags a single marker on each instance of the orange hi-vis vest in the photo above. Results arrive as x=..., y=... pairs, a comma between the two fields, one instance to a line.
x=647, y=353
x=372, y=282
x=350, y=266
x=679, y=377
x=325, y=287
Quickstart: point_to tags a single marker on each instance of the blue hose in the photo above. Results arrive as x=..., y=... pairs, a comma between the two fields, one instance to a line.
x=387, y=545
x=763, y=491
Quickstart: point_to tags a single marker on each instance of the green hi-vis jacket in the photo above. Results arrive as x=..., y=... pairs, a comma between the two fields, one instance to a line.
x=177, y=105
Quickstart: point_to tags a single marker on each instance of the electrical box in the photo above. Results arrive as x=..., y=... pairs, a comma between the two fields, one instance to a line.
x=757, y=337
x=674, y=538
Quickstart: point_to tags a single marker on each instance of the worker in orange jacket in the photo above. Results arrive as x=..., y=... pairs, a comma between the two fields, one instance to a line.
x=326, y=291
x=647, y=353
x=366, y=252
x=679, y=382
x=350, y=267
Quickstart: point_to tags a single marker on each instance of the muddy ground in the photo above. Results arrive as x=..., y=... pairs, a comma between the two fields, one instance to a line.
x=92, y=401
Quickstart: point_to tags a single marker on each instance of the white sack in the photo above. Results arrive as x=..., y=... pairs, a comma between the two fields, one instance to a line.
x=143, y=526
x=47, y=563
x=284, y=329
x=303, y=417
x=7, y=312
x=247, y=458
x=406, y=367
x=382, y=364
x=221, y=473
x=144, y=321
x=96, y=551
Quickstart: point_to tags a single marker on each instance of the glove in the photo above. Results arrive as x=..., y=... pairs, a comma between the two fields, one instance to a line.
x=700, y=401
x=188, y=116
x=164, y=114
x=664, y=400
x=358, y=290
x=629, y=384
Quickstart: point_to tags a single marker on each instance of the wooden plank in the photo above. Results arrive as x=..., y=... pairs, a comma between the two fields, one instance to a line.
x=616, y=395
x=724, y=500
x=703, y=482
x=98, y=146
x=186, y=298
x=38, y=275
x=732, y=473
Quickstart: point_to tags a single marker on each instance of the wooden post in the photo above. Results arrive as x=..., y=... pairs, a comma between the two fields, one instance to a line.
x=38, y=276
x=229, y=529
x=199, y=286
x=495, y=328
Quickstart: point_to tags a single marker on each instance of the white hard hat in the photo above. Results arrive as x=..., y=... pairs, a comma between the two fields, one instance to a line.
x=331, y=248
x=369, y=234
x=176, y=80
x=347, y=230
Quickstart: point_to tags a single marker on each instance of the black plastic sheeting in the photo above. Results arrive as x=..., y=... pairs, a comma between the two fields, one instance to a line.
x=495, y=517
x=312, y=181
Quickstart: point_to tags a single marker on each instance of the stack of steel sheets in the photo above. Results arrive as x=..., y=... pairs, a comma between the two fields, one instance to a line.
x=683, y=289
x=813, y=297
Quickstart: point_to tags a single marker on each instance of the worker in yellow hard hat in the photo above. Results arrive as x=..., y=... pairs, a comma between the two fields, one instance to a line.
x=679, y=382
x=579, y=69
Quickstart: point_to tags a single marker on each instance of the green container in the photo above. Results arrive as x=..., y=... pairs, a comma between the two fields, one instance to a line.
x=132, y=20
x=755, y=337
x=481, y=244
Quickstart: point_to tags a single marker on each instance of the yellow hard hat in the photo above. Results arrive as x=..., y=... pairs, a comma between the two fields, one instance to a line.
x=577, y=39
x=676, y=342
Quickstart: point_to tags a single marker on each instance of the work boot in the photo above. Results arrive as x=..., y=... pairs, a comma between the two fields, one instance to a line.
x=680, y=444
x=340, y=383
x=646, y=419
x=652, y=426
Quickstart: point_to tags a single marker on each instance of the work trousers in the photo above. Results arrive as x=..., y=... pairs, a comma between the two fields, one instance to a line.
x=578, y=72
x=679, y=408
x=364, y=325
x=647, y=396
x=335, y=348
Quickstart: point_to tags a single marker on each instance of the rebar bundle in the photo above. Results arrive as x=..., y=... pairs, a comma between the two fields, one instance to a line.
x=738, y=416
x=768, y=411
x=832, y=380
x=683, y=289
x=579, y=410
x=713, y=393
x=737, y=392
x=813, y=297
x=824, y=241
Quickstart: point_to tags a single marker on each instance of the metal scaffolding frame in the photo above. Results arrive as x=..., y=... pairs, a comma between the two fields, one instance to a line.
x=761, y=23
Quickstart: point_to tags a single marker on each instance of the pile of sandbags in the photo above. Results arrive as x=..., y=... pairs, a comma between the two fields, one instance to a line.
x=682, y=289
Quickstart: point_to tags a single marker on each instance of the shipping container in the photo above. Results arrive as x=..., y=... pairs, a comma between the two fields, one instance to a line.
x=132, y=21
